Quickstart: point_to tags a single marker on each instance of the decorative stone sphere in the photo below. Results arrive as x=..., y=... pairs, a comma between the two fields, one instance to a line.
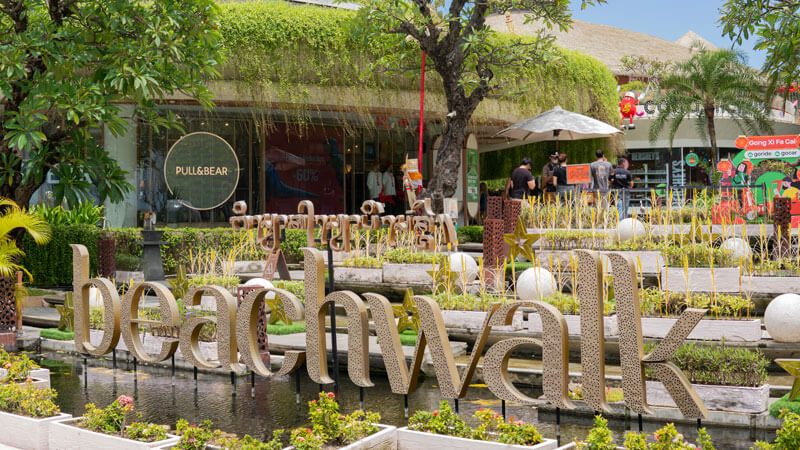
x=535, y=284
x=463, y=263
x=629, y=228
x=782, y=318
x=263, y=282
x=738, y=247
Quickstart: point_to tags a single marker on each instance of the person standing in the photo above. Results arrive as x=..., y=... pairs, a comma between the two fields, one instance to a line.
x=389, y=194
x=601, y=172
x=375, y=182
x=548, y=185
x=522, y=180
x=560, y=175
x=621, y=179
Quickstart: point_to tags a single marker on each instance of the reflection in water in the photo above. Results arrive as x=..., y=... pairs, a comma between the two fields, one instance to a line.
x=273, y=404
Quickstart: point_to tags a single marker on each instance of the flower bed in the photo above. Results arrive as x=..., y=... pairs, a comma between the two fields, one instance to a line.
x=26, y=414
x=600, y=437
x=445, y=429
x=108, y=428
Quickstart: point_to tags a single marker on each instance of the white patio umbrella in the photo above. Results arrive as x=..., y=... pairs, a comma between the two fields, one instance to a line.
x=558, y=124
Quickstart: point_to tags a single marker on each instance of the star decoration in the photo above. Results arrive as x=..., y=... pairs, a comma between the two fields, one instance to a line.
x=520, y=242
x=407, y=314
x=793, y=367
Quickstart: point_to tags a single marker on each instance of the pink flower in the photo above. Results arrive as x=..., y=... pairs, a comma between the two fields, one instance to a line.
x=331, y=395
x=125, y=401
x=519, y=423
x=300, y=439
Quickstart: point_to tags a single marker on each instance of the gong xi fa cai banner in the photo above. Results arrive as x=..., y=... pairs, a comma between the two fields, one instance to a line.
x=237, y=336
x=769, y=147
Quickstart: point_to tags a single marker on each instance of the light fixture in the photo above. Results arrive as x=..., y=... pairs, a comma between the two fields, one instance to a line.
x=227, y=124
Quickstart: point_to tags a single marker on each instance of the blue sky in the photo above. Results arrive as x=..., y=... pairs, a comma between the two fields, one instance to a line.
x=667, y=19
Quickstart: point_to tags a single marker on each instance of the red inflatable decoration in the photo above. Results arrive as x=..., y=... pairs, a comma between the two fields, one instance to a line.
x=627, y=109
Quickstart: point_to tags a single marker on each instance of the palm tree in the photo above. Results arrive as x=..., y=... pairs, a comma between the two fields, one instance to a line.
x=707, y=83
x=13, y=218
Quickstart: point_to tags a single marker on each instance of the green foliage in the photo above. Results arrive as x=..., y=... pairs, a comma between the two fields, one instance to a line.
x=667, y=438
x=784, y=403
x=17, y=366
x=66, y=314
x=282, y=329
x=56, y=334
x=109, y=420
x=330, y=427
x=194, y=437
x=788, y=437
x=146, y=432
x=291, y=245
x=721, y=365
x=26, y=400
x=128, y=262
x=470, y=233
x=655, y=303
x=63, y=75
x=85, y=213
x=491, y=426
x=181, y=284
x=228, y=282
x=612, y=394
x=13, y=218
x=499, y=164
x=599, y=437
x=51, y=264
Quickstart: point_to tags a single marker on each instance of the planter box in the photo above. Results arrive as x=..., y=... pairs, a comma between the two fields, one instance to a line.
x=407, y=273
x=413, y=440
x=64, y=435
x=750, y=400
x=358, y=275
x=610, y=327
x=384, y=439
x=746, y=330
x=41, y=374
x=249, y=267
x=125, y=276
x=27, y=432
x=473, y=320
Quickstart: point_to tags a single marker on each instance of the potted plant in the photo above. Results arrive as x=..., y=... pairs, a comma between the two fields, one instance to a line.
x=108, y=428
x=726, y=378
x=787, y=437
x=600, y=438
x=358, y=430
x=729, y=315
x=201, y=437
x=19, y=368
x=445, y=429
x=26, y=413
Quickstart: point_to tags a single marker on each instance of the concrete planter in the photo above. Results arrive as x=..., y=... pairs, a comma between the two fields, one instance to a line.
x=65, y=435
x=125, y=276
x=407, y=273
x=413, y=440
x=384, y=439
x=473, y=320
x=746, y=330
x=41, y=374
x=249, y=266
x=610, y=327
x=27, y=432
x=358, y=275
x=750, y=400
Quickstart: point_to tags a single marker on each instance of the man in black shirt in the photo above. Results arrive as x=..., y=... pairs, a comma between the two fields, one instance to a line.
x=548, y=188
x=621, y=179
x=522, y=180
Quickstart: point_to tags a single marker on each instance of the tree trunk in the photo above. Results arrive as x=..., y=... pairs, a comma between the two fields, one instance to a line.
x=712, y=137
x=444, y=179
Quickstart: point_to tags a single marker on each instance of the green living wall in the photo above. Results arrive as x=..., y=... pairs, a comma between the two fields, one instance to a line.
x=281, y=52
x=498, y=165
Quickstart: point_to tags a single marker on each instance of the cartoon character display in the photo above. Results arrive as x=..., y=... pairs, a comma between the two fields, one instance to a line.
x=627, y=109
x=735, y=204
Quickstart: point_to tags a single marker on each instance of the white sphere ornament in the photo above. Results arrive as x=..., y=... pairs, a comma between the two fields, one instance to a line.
x=782, y=318
x=463, y=263
x=535, y=284
x=262, y=282
x=629, y=228
x=738, y=247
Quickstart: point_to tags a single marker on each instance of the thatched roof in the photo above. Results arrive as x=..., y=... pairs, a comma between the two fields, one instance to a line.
x=606, y=43
x=691, y=39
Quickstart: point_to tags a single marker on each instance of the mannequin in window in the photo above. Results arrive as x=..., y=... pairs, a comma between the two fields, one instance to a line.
x=374, y=182
x=388, y=197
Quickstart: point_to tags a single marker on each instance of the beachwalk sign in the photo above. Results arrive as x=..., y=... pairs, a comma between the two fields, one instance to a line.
x=237, y=336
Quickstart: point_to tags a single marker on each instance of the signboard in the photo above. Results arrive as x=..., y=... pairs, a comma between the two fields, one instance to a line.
x=771, y=154
x=472, y=175
x=201, y=170
x=692, y=159
x=781, y=142
x=579, y=174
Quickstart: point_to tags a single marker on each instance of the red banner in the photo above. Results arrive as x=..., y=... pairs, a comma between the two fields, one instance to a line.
x=782, y=142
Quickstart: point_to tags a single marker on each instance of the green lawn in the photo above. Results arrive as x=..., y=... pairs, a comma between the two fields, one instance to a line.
x=57, y=335
x=281, y=328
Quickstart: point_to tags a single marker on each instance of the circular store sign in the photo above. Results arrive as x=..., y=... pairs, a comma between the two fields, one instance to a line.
x=692, y=159
x=201, y=170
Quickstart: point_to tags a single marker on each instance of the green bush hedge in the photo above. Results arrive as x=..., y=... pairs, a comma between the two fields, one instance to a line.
x=784, y=403
x=471, y=233
x=51, y=264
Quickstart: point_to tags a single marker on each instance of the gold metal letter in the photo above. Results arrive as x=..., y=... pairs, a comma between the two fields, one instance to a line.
x=170, y=317
x=593, y=361
x=225, y=320
x=80, y=294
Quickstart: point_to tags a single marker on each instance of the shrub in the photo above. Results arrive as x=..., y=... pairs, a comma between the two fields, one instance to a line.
x=18, y=367
x=471, y=233
x=81, y=214
x=599, y=437
x=784, y=403
x=656, y=303
x=113, y=420
x=491, y=426
x=667, y=438
x=128, y=262
x=26, y=400
x=721, y=365
x=51, y=264
x=788, y=437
